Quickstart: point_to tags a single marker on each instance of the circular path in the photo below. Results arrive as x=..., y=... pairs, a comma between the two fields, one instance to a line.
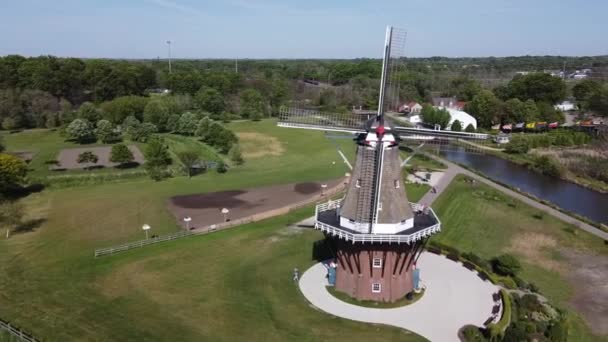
x=454, y=297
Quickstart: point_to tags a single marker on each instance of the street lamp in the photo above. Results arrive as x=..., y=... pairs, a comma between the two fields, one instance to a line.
x=187, y=219
x=225, y=211
x=169, y=44
x=146, y=227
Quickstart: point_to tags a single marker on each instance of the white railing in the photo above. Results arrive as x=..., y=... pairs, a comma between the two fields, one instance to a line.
x=140, y=243
x=16, y=332
x=389, y=238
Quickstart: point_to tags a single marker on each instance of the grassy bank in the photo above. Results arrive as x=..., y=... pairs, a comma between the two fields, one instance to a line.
x=476, y=218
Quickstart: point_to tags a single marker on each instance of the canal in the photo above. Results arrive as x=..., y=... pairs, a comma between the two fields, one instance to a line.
x=569, y=196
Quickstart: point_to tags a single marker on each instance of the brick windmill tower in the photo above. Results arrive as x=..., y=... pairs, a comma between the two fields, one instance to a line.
x=376, y=232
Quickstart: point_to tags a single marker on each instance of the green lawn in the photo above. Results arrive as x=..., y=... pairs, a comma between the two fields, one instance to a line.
x=223, y=286
x=415, y=191
x=482, y=220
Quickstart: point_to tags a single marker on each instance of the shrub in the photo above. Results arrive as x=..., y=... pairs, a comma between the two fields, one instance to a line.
x=506, y=264
x=517, y=145
x=471, y=333
x=547, y=166
x=121, y=154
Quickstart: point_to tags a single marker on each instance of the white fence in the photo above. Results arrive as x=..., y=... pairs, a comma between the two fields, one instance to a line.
x=18, y=333
x=140, y=243
x=254, y=218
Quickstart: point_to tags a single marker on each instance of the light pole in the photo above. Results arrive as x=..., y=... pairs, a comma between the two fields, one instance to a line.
x=225, y=211
x=187, y=219
x=146, y=227
x=169, y=44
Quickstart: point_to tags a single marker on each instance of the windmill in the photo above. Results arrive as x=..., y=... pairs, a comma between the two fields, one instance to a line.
x=377, y=234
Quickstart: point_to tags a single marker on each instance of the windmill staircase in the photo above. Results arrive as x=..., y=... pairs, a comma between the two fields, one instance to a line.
x=366, y=198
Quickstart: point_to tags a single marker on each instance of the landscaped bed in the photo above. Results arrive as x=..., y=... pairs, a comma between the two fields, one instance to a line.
x=68, y=158
x=406, y=300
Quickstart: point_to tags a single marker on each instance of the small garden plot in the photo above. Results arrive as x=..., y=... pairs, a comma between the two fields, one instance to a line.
x=68, y=158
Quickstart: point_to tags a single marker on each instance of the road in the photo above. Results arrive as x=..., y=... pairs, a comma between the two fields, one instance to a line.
x=454, y=169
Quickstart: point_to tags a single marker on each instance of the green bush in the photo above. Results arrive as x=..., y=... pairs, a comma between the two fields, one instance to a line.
x=506, y=264
x=471, y=333
x=547, y=166
x=517, y=145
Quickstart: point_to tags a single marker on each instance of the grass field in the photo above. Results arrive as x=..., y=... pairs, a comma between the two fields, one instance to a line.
x=415, y=191
x=480, y=219
x=219, y=287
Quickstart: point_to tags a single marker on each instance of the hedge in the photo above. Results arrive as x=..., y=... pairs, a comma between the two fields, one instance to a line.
x=498, y=329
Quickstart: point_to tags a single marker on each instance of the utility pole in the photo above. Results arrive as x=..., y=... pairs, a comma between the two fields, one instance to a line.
x=169, y=44
x=564, y=71
x=236, y=65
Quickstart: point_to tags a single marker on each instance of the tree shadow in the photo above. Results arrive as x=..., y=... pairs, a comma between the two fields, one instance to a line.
x=322, y=250
x=94, y=167
x=17, y=192
x=128, y=165
x=29, y=225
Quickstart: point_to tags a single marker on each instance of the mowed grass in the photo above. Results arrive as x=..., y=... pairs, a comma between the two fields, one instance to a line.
x=230, y=285
x=476, y=218
x=415, y=191
x=224, y=286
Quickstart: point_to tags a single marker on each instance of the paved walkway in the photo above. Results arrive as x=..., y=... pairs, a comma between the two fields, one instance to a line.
x=454, y=169
x=454, y=297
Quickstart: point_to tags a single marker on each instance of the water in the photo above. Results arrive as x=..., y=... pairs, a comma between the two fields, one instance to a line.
x=569, y=196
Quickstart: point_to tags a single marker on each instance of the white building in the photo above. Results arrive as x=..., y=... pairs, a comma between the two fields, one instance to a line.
x=565, y=106
x=464, y=118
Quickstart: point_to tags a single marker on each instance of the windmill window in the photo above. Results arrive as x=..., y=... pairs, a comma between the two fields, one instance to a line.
x=358, y=183
x=397, y=184
x=377, y=263
x=376, y=288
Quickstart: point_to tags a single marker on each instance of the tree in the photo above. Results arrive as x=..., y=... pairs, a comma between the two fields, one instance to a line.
x=470, y=128
x=599, y=102
x=121, y=154
x=210, y=100
x=130, y=125
x=435, y=116
x=540, y=87
x=105, y=132
x=81, y=131
x=117, y=110
x=584, y=90
x=87, y=157
x=11, y=214
x=157, y=112
x=142, y=132
x=157, y=158
x=506, y=264
x=457, y=126
x=202, y=128
x=173, y=122
x=252, y=104
x=235, y=155
x=485, y=107
x=189, y=159
x=465, y=88
x=187, y=124
x=89, y=112
x=12, y=171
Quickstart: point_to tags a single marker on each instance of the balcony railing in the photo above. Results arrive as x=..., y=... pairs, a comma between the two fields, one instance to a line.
x=381, y=238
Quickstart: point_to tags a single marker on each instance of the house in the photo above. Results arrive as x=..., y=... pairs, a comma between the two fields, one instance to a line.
x=415, y=119
x=565, y=106
x=464, y=118
x=444, y=102
x=411, y=107
x=448, y=102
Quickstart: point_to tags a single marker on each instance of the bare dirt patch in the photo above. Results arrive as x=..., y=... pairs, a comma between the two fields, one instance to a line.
x=257, y=145
x=68, y=158
x=205, y=209
x=589, y=277
x=533, y=246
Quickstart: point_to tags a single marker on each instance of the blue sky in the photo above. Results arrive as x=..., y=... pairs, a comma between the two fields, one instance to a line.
x=300, y=28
